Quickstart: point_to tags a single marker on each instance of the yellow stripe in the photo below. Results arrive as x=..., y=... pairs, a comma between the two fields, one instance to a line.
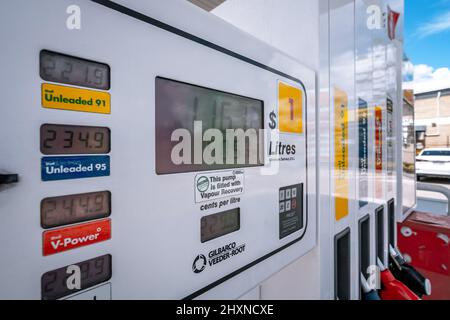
x=341, y=177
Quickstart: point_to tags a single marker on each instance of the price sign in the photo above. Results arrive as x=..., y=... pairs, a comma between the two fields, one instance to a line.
x=63, y=210
x=67, y=139
x=57, y=67
x=219, y=224
x=290, y=108
x=58, y=283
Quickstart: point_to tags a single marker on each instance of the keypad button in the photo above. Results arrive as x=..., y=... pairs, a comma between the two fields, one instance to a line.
x=294, y=204
x=288, y=205
x=288, y=194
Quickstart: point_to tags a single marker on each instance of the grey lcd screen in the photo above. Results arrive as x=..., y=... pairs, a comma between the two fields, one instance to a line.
x=68, y=139
x=179, y=105
x=93, y=272
x=57, y=67
x=219, y=224
x=63, y=210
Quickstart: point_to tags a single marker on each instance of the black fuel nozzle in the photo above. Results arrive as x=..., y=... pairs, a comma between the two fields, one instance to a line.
x=407, y=274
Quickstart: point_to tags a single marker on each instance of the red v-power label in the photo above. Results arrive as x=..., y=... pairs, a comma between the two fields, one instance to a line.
x=63, y=239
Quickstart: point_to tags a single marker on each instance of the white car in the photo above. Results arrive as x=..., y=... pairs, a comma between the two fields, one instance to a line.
x=433, y=163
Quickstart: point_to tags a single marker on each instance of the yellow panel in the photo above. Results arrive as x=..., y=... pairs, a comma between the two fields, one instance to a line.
x=379, y=139
x=290, y=108
x=341, y=176
x=75, y=99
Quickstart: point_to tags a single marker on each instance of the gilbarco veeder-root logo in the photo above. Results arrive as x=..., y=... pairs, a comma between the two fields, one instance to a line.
x=216, y=256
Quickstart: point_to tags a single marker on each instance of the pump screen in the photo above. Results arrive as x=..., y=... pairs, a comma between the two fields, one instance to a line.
x=57, y=67
x=94, y=271
x=66, y=139
x=185, y=106
x=219, y=224
x=58, y=211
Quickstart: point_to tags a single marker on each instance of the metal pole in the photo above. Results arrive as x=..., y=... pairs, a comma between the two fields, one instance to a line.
x=436, y=188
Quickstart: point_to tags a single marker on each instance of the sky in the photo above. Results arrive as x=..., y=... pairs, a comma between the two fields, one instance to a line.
x=427, y=42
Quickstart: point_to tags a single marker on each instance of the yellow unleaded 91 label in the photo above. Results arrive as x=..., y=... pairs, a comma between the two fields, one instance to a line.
x=75, y=99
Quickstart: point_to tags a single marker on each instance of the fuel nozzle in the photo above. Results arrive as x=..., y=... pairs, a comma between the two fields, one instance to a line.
x=391, y=288
x=368, y=294
x=407, y=274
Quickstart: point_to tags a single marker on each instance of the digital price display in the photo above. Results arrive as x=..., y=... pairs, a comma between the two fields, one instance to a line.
x=68, y=139
x=219, y=224
x=193, y=110
x=55, y=284
x=63, y=210
x=57, y=67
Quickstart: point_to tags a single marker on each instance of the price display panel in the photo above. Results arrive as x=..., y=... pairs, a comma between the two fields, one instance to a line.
x=57, y=67
x=181, y=105
x=54, y=284
x=63, y=210
x=68, y=139
x=219, y=224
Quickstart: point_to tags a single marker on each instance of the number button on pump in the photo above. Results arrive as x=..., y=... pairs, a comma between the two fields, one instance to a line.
x=288, y=194
x=294, y=204
x=282, y=195
x=281, y=207
x=288, y=205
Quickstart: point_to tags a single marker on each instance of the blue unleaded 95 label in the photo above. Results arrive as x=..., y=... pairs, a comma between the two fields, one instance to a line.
x=62, y=168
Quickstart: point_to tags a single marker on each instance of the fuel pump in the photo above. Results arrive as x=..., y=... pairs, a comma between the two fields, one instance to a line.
x=129, y=165
x=408, y=274
x=391, y=288
x=188, y=173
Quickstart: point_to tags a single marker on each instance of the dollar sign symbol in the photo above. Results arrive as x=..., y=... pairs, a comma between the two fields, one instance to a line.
x=273, y=122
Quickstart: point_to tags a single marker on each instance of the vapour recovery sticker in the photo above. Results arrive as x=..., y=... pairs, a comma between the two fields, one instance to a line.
x=218, y=185
x=62, y=168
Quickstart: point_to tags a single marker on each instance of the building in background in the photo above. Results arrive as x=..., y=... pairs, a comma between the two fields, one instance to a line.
x=432, y=112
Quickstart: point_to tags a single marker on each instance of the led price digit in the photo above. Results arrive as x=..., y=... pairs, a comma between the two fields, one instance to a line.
x=57, y=67
x=94, y=271
x=63, y=210
x=219, y=224
x=68, y=139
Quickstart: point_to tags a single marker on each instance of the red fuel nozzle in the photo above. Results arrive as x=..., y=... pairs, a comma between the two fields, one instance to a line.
x=391, y=288
x=408, y=274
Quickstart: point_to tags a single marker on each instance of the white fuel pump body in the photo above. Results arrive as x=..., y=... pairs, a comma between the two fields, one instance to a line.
x=159, y=56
